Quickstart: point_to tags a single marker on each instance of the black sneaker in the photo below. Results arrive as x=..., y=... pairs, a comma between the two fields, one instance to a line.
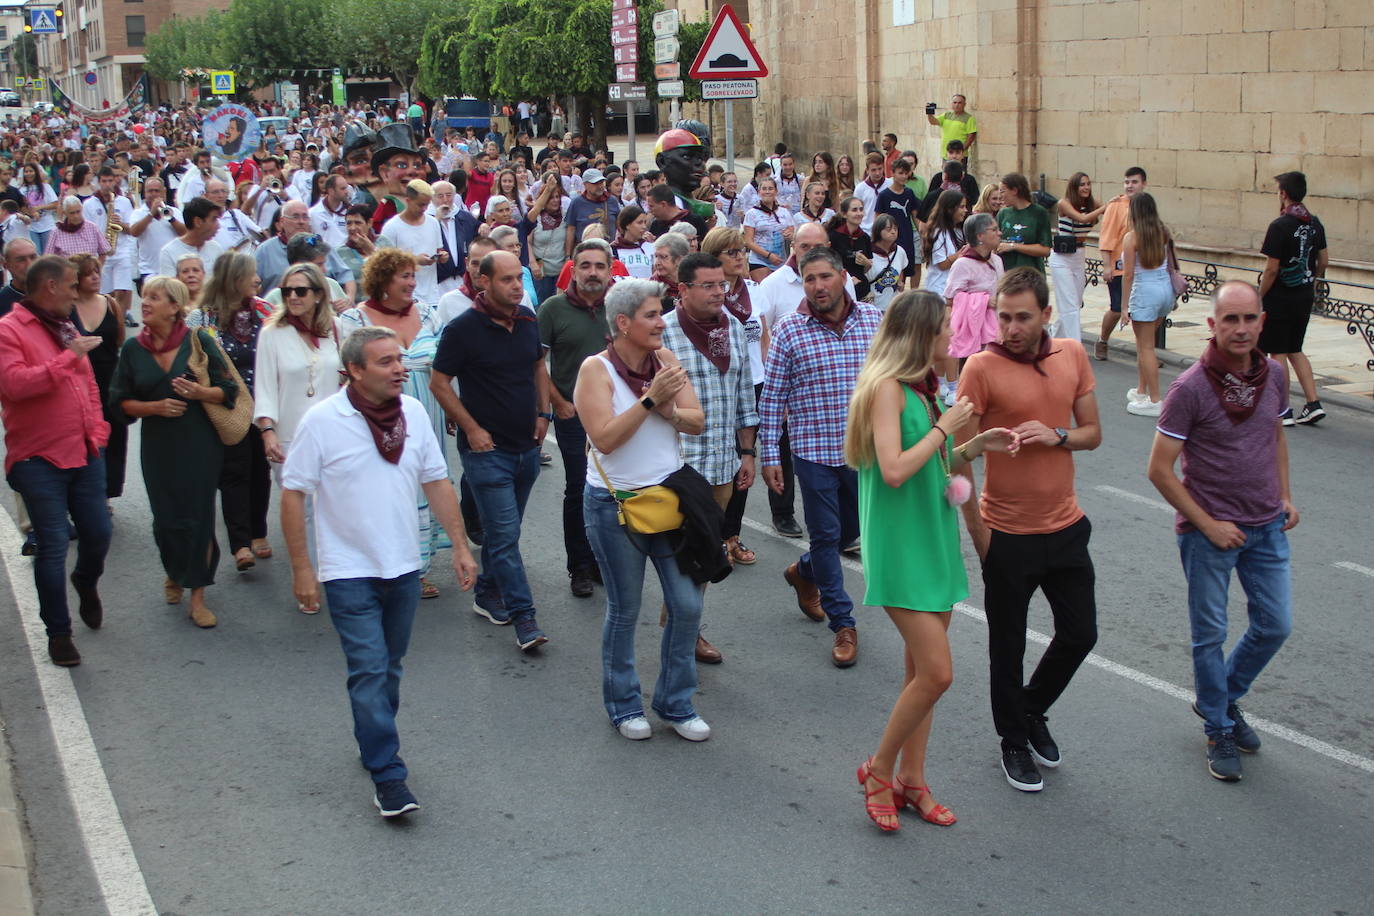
x=581, y=583
x=1311, y=413
x=787, y=527
x=1246, y=740
x=528, y=635
x=393, y=799
x=1020, y=769
x=854, y=548
x=63, y=652
x=1042, y=746
x=1222, y=760
x=30, y=545
x=1287, y=417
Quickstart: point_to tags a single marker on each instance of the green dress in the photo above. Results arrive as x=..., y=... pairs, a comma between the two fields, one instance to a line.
x=911, y=533
x=181, y=458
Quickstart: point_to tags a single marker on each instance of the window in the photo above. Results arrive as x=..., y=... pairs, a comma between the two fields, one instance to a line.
x=4, y=32
x=133, y=27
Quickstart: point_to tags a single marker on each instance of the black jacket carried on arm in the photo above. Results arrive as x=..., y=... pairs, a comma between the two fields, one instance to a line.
x=702, y=556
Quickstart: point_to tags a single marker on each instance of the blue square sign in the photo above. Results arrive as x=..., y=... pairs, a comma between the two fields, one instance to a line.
x=43, y=20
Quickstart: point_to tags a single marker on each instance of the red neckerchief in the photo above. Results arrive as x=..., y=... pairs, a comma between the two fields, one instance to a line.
x=835, y=325
x=710, y=338
x=1033, y=358
x=576, y=300
x=63, y=330
x=1238, y=393
x=792, y=263
x=174, y=338
x=928, y=388
x=387, y=310
x=638, y=380
x=620, y=243
x=312, y=336
x=673, y=289
x=466, y=286
x=732, y=198
x=552, y=219
x=480, y=304
x=386, y=421
x=968, y=251
x=737, y=301
x=1298, y=212
x=343, y=208
x=67, y=227
x=855, y=233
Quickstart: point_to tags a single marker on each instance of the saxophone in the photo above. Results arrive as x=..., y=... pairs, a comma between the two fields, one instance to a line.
x=112, y=226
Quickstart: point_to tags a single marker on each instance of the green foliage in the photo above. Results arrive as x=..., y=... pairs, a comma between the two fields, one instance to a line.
x=281, y=34
x=187, y=43
x=393, y=49
x=24, y=50
x=691, y=36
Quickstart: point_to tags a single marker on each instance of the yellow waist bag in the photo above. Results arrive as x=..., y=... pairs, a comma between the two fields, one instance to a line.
x=648, y=510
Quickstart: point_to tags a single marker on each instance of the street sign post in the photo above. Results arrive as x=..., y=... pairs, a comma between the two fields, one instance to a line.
x=625, y=51
x=667, y=68
x=728, y=55
x=625, y=54
x=627, y=92
x=666, y=23
x=43, y=20
x=725, y=90
x=222, y=82
x=666, y=50
x=670, y=89
x=624, y=35
x=670, y=71
x=625, y=73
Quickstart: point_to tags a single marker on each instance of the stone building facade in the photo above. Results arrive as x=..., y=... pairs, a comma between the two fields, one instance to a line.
x=1211, y=99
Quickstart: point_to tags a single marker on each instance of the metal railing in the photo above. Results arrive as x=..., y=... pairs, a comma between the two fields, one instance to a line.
x=1357, y=315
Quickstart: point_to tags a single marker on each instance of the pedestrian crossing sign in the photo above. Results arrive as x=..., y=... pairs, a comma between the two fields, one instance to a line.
x=222, y=82
x=42, y=20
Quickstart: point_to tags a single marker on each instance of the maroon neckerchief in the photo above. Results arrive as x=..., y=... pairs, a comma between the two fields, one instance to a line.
x=480, y=304
x=466, y=286
x=856, y=233
x=552, y=219
x=68, y=227
x=638, y=380
x=620, y=243
x=732, y=198
x=878, y=249
x=968, y=251
x=242, y=324
x=929, y=388
x=838, y=322
x=792, y=263
x=386, y=422
x=63, y=330
x=673, y=287
x=174, y=338
x=1033, y=358
x=1238, y=393
x=711, y=338
x=1298, y=212
x=576, y=300
x=388, y=310
x=875, y=186
x=737, y=301
x=312, y=336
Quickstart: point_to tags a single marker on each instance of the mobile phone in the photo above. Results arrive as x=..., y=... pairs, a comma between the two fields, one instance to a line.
x=930, y=108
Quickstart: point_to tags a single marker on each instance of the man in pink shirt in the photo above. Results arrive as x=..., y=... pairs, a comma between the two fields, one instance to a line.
x=55, y=435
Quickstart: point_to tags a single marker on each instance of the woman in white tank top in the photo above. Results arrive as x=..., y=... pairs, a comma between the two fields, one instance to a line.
x=634, y=400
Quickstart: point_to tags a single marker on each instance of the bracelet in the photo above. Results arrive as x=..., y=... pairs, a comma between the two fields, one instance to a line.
x=963, y=453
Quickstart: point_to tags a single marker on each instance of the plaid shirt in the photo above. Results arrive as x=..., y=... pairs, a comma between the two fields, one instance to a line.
x=810, y=376
x=89, y=239
x=727, y=400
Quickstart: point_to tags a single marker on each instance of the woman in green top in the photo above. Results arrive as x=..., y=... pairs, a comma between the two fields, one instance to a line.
x=903, y=449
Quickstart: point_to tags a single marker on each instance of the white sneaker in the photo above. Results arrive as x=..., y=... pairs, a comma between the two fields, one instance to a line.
x=1146, y=408
x=693, y=729
x=951, y=393
x=636, y=729
x=1136, y=396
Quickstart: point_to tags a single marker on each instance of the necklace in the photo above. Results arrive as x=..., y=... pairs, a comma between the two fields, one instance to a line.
x=957, y=489
x=312, y=360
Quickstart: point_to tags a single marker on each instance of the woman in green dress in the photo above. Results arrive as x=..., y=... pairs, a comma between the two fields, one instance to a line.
x=903, y=448
x=181, y=452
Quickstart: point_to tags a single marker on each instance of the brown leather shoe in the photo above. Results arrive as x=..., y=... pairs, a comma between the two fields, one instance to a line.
x=808, y=596
x=846, y=651
x=63, y=652
x=708, y=654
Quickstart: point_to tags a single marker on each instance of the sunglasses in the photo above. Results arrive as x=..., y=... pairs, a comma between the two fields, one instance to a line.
x=299, y=290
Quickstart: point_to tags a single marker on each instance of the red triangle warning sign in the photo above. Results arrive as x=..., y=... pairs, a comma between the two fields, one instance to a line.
x=727, y=52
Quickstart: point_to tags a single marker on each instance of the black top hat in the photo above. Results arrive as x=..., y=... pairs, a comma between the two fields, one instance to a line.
x=358, y=136
x=393, y=139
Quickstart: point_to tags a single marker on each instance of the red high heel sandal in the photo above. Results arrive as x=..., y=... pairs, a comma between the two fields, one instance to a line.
x=874, y=809
x=939, y=815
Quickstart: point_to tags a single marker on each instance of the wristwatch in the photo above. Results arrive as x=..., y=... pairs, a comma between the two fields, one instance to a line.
x=753, y=453
x=546, y=416
x=648, y=402
x=1063, y=435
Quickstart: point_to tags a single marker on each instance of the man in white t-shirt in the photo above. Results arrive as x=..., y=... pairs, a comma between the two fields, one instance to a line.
x=117, y=276
x=328, y=216
x=457, y=301
x=202, y=223
x=364, y=453
x=237, y=232
x=153, y=225
x=415, y=231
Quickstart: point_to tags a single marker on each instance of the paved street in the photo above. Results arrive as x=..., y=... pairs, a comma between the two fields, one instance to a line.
x=230, y=759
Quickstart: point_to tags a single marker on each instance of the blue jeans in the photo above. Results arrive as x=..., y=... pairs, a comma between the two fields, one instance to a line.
x=622, y=569
x=501, y=482
x=572, y=444
x=1262, y=565
x=373, y=618
x=830, y=501
x=51, y=494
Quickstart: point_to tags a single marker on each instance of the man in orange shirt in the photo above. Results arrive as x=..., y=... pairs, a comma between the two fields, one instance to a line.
x=890, y=153
x=1029, y=531
x=1109, y=235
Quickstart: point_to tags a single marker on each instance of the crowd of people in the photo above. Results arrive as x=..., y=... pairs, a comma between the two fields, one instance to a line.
x=338, y=311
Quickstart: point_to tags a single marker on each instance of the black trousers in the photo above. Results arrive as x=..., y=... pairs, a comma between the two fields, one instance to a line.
x=782, y=503
x=245, y=490
x=734, y=510
x=1017, y=564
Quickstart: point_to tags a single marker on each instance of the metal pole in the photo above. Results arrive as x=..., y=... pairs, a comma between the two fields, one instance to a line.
x=630, y=121
x=729, y=135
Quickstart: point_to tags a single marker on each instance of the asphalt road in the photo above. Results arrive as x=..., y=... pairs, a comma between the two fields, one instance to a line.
x=230, y=757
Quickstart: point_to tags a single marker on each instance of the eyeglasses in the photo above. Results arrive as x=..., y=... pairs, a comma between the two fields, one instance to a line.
x=722, y=286
x=733, y=252
x=299, y=290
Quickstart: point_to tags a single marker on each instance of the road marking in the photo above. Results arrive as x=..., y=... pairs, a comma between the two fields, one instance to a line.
x=1133, y=675
x=1134, y=497
x=102, y=830
x=1355, y=567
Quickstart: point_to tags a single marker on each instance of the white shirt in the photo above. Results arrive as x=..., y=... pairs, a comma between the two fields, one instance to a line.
x=366, y=524
x=192, y=186
x=781, y=292
x=421, y=240
x=329, y=224
x=155, y=237
x=237, y=232
x=452, y=304
x=167, y=258
x=866, y=193
x=96, y=212
x=286, y=369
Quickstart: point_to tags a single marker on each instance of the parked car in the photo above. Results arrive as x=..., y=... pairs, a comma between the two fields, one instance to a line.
x=9, y=98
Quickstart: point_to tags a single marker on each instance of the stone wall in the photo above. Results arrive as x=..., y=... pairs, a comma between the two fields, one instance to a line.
x=1212, y=100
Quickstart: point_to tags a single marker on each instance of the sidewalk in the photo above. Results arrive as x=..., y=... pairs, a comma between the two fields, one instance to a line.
x=15, y=896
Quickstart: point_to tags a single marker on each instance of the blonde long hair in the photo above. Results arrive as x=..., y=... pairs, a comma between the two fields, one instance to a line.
x=321, y=320
x=1150, y=234
x=902, y=349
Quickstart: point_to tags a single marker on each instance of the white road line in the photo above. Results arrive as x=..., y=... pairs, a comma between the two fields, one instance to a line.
x=1355, y=567
x=1131, y=674
x=102, y=830
x=1134, y=497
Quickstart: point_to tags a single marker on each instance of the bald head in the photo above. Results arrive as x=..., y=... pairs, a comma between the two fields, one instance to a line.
x=1235, y=294
x=808, y=236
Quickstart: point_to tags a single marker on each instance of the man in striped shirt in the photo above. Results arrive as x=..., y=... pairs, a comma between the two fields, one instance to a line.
x=813, y=361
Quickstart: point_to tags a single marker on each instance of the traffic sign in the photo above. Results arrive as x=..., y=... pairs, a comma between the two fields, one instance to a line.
x=627, y=92
x=625, y=35
x=42, y=20
x=727, y=53
x=670, y=89
x=622, y=4
x=666, y=23
x=666, y=50
x=222, y=82
x=625, y=54
x=625, y=73
x=624, y=17
x=720, y=90
x=91, y=78
x=20, y=82
x=668, y=71
x=36, y=84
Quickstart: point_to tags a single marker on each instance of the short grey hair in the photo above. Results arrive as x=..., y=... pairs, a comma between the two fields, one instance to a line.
x=501, y=234
x=821, y=253
x=351, y=353
x=71, y=200
x=683, y=228
x=301, y=248
x=675, y=243
x=976, y=225
x=600, y=245
x=627, y=296
x=11, y=247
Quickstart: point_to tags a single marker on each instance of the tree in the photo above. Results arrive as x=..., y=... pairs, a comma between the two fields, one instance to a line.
x=182, y=43
x=25, y=51
x=398, y=53
x=279, y=35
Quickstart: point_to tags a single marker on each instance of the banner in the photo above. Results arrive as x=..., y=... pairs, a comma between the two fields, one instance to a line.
x=231, y=132
x=132, y=104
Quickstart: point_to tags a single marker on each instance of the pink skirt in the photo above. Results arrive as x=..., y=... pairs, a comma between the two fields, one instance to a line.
x=972, y=324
